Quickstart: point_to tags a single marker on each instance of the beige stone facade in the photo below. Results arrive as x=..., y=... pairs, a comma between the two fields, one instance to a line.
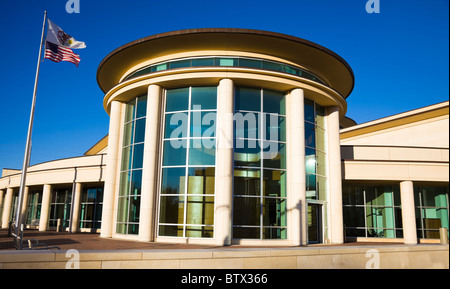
x=407, y=152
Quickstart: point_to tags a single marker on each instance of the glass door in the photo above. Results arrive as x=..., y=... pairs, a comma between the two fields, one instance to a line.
x=314, y=223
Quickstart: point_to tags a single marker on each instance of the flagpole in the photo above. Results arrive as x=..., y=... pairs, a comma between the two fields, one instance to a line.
x=26, y=159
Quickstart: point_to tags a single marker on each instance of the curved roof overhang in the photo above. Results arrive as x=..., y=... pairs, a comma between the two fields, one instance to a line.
x=318, y=59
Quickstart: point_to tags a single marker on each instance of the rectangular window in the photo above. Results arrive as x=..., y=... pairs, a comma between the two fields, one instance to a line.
x=186, y=205
x=432, y=209
x=259, y=197
x=91, y=208
x=131, y=170
x=372, y=211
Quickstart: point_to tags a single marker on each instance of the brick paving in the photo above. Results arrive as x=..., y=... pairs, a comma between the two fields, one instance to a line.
x=92, y=241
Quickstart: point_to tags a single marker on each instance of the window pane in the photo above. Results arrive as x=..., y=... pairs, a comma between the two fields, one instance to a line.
x=275, y=127
x=247, y=182
x=273, y=102
x=135, y=206
x=125, y=179
x=246, y=125
x=173, y=180
x=274, y=155
x=129, y=110
x=180, y=64
x=177, y=99
x=138, y=156
x=321, y=163
x=203, y=124
x=202, y=152
x=123, y=209
x=171, y=231
x=174, y=152
x=310, y=135
x=199, y=231
x=274, y=183
x=203, y=62
x=247, y=153
x=272, y=66
x=247, y=99
x=128, y=132
x=243, y=62
x=309, y=111
x=322, y=188
x=246, y=233
x=200, y=210
x=320, y=116
x=171, y=210
x=274, y=233
x=226, y=62
x=274, y=212
x=204, y=97
x=140, y=131
x=126, y=158
x=201, y=180
x=320, y=135
x=176, y=125
x=246, y=211
x=141, y=106
x=310, y=161
x=136, y=182
x=311, y=185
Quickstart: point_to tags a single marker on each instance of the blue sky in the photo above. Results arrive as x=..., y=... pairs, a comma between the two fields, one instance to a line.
x=400, y=57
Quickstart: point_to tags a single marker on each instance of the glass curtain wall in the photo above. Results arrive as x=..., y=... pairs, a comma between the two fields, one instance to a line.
x=315, y=151
x=131, y=166
x=34, y=207
x=431, y=210
x=60, y=207
x=91, y=208
x=15, y=200
x=186, y=204
x=259, y=197
x=372, y=211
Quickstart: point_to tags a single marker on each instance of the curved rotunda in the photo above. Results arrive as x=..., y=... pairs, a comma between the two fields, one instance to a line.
x=221, y=136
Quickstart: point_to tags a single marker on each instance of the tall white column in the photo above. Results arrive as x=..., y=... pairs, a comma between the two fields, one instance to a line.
x=76, y=208
x=298, y=219
x=147, y=220
x=408, y=213
x=224, y=163
x=336, y=222
x=112, y=159
x=2, y=196
x=7, y=208
x=45, y=207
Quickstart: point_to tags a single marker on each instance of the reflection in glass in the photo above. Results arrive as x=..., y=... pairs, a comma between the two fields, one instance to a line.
x=174, y=152
x=247, y=182
x=173, y=180
x=177, y=99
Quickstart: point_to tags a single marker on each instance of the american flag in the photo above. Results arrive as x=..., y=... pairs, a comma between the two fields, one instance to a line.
x=59, y=53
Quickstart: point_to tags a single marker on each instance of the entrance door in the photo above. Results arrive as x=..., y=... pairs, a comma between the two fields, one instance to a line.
x=314, y=223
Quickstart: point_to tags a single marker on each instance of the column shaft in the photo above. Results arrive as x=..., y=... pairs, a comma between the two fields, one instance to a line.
x=45, y=207
x=408, y=213
x=7, y=208
x=336, y=222
x=2, y=196
x=150, y=165
x=224, y=163
x=112, y=159
x=76, y=208
x=298, y=222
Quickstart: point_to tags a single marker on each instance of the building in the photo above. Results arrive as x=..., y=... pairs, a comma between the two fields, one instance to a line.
x=223, y=136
